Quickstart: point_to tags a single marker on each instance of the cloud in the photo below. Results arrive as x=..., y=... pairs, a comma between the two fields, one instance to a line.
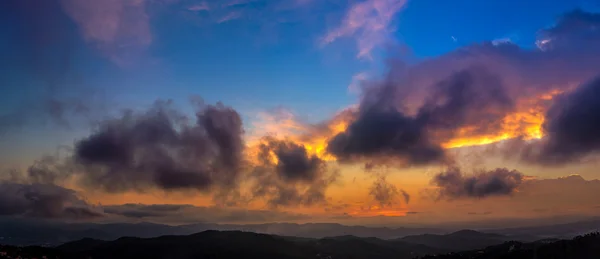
x=501, y=41
x=405, y=196
x=570, y=128
x=116, y=27
x=385, y=193
x=43, y=201
x=370, y=22
x=202, y=6
x=184, y=213
x=145, y=211
x=384, y=129
x=357, y=80
x=294, y=163
x=287, y=175
x=159, y=148
x=455, y=184
x=482, y=213
x=479, y=94
x=162, y=149
x=572, y=29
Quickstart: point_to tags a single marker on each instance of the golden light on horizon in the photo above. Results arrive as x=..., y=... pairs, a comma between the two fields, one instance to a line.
x=374, y=211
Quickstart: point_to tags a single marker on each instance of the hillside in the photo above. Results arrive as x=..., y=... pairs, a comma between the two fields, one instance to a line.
x=237, y=244
x=581, y=247
x=461, y=240
x=23, y=232
x=231, y=244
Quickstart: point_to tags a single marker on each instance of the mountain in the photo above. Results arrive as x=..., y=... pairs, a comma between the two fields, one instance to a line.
x=23, y=232
x=320, y=230
x=238, y=244
x=461, y=240
x=581, y=247
x=566, y=230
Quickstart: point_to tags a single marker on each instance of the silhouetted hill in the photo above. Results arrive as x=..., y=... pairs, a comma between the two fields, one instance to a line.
x=238, y=244
x=22, y=232
x=566, y=230
x=316, y=230
x=581, y=247
x=460, y=240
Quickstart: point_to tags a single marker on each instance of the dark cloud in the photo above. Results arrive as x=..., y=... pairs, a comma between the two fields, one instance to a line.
x=576, y=28
x=43, y=201
x=159, y=148
x=162, y=149
x=455, y=184
x=385, y=193
x=570, y=128
x=132, y=210
x=472, y=97
x=49, y=170
x=297, y=178
x=384, y=134
x=293, y=161
x=481, y=213
x=405, y=196
x=184, y=213
x=469, y=93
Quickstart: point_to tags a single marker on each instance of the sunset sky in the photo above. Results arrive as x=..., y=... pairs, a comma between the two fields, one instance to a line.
x=389, y=112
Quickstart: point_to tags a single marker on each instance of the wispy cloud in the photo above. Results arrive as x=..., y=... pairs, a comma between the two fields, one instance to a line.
x=203, y=6
x=230, y=16
x=369, y=22
x=357, y=79
x=117, y=27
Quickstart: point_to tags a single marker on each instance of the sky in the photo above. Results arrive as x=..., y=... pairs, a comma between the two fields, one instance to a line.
x=248, y=111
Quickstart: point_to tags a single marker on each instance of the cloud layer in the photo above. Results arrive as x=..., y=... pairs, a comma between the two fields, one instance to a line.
x=570, y=128
x=159, y=148
x=43, y=201
x=455, y=184
x=384, y=129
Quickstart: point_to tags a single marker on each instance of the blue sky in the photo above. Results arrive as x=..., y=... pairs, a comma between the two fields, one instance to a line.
x=69, y=65
x=260, y=59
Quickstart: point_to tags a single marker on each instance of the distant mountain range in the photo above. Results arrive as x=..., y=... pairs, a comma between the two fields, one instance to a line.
x=239, y=244
x=464, y=240
x=48, y=233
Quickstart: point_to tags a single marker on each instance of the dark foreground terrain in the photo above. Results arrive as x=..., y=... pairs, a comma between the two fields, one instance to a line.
x=237, y=244
x=581, y=247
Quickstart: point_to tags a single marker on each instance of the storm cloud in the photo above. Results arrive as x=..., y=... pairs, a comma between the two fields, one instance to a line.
x=385, y=129
x=297, y=178
x=571, y=128
x=43, y=201
x=479, y=94
x=453, y=183
x=160, y=148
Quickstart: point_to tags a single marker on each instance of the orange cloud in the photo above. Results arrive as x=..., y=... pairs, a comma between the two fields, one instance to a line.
x=284, y=125
x=526, y=122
